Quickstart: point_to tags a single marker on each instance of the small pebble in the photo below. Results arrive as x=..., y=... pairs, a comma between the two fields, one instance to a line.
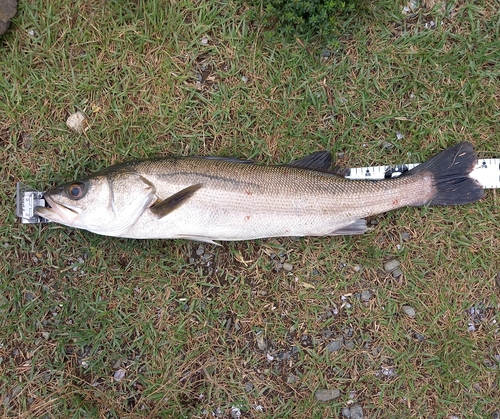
x=387, y=145
x=200, y=250
x=325, y=395
x=349, y=344
x=244, y=79
x=118, y=375
x=357, y=268
x=326, y=53
x=261, y=343
x=498, y=280
x=409, y=310
x=248, y=386
x=366, y=295
x=291, y=379
x=357, y=412
x=396, y=273
x=204, y=41
x=235, y=412
x=391, y=265
x=335, y=345
x=399, y=136
x=46, y=335
x=327, y=333
x=495, y=415
x=346, y=412
x=430, y=25
x=77, y=122
x=405, y=236
x=287, y=267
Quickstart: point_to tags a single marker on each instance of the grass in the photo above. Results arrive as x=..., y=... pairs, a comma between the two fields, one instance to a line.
x=197, y=336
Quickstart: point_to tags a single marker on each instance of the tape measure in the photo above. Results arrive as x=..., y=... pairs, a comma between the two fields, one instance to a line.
x=486, y=172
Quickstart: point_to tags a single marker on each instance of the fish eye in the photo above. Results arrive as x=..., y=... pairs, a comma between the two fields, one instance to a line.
x=76, y=191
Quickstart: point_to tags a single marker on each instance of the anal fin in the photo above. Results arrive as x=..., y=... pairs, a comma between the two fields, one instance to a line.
x=357, y=227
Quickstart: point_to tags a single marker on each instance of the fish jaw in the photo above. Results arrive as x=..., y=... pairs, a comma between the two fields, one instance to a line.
x=58, y=212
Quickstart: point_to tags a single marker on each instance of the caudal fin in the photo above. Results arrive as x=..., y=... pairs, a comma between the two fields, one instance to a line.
x=451, y=169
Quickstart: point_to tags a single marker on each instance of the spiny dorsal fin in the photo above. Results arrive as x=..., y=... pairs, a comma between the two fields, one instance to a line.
x=320, y=160
x=175, y=201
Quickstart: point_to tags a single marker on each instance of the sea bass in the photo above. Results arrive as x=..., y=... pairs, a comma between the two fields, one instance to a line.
x=213, y=198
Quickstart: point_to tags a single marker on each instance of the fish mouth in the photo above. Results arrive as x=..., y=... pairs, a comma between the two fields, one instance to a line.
x=57, y=212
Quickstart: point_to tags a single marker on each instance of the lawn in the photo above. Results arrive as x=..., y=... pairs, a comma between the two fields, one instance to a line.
x=99, y=327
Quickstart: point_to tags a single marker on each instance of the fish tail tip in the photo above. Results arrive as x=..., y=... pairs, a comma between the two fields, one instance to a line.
x=451, y=169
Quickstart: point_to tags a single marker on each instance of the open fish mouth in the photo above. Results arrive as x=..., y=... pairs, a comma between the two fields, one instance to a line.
x=57, y=212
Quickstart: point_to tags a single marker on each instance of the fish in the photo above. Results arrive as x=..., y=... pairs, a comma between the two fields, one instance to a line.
x=213, y=199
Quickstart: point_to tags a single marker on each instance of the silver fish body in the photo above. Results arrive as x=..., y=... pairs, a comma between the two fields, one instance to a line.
x=211, y=199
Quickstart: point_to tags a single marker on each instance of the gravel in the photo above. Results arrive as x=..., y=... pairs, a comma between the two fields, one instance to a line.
x=77, y=122
x=8, y=9
x=119, y=375
x=391, y=265
x=354, y=412
x=357, y=412
x=287, y=267
x=366, y=295
x=346, y=412
x=349, y=344
x=325, y=395
x=261, y=343
x=409, y=311
x=235, y=412
x=335, y=345
x=200, y=250
x=387, y=145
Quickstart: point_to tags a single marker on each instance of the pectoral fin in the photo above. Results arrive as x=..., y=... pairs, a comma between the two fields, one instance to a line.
x=173, y=202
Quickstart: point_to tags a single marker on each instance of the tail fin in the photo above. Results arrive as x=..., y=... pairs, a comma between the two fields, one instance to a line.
x=451, y=169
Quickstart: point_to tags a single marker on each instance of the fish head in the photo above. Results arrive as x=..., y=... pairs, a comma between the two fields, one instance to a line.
x=107, y=203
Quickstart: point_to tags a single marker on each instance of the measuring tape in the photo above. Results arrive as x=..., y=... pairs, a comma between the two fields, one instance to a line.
x=486, y=172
